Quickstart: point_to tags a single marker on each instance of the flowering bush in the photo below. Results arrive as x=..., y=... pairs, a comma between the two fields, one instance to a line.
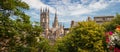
x=113, y=39
x=109, y=42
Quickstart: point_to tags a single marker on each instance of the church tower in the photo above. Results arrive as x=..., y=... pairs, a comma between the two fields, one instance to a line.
x=44, y=20
x=55, y=23
x=89, y=19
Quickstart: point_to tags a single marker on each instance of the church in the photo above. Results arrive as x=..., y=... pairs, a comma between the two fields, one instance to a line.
x=56, y=31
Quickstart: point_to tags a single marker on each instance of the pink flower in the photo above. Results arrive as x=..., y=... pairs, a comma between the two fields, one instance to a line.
x=110, y=32
x=107, y=40
x=116, y=50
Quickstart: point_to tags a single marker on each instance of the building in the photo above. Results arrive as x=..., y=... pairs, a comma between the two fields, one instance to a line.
x=102, y=19
x=66, y=30
x=97, y=19
x=73, y=23
x=57, y=29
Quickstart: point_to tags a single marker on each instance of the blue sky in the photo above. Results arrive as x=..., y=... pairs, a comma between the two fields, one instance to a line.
x=77, y=10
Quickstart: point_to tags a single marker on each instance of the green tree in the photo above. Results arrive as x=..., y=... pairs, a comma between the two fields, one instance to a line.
x=19, y=35
x=10, y=35
x=84, y=37
x=111, y=26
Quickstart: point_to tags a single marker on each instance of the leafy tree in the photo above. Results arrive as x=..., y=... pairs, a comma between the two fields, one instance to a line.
x=19, y=35
x=85, y=37
x=10, y=35
x=110, y=26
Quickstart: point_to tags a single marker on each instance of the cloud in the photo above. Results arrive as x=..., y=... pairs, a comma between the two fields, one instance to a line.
x=37, y=4
x=68, y=7
x=68, y=10
x=80, y=7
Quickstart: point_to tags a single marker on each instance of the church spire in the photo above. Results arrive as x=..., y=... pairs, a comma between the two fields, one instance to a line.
x=41, y=10
x=55, y=23
x=48, y=10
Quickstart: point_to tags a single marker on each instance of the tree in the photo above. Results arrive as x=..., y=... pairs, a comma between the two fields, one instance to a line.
x=9, y=34
x=85, y=37
x=110, y=26
x=18, y=35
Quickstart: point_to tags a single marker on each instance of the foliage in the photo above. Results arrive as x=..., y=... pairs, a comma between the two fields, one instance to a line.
x=113, y=40
x=110, y=26
x=19, y=35
x=85, y=37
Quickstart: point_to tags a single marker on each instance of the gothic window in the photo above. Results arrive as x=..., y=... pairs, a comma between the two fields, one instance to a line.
x=43, y=20
x=47, y=20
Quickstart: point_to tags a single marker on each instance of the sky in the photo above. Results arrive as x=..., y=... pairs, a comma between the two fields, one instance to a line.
x=68, y=10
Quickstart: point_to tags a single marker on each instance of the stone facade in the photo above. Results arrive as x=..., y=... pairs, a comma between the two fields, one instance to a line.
x=97, y=19
x=102, y=19
x=57, y=29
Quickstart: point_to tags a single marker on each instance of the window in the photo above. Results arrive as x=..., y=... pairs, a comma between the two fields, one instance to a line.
x=98, y=19
x=43, y=20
